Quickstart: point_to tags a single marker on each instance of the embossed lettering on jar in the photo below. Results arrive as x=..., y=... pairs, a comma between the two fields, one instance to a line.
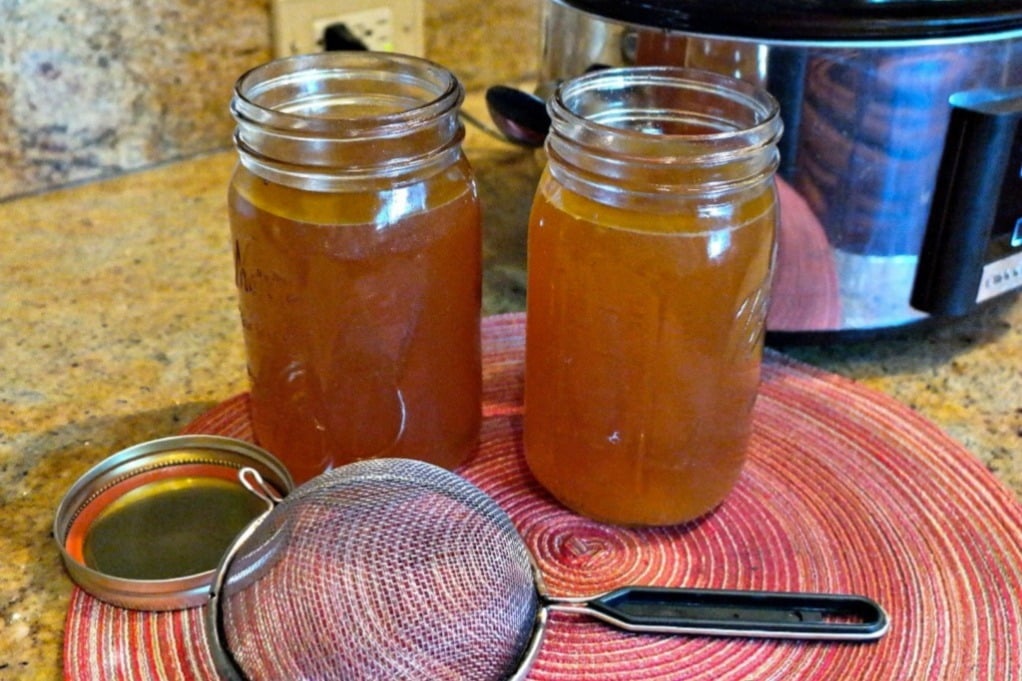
x=651, y=242
x=357, y=250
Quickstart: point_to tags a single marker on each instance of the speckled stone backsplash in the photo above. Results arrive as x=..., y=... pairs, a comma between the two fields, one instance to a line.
x=94, y=88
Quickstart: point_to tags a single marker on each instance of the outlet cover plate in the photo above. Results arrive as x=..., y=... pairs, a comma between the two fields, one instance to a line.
x=386, y=25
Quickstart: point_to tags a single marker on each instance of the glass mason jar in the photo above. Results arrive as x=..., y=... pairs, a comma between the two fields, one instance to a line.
x=357, y=248
x=651, y=244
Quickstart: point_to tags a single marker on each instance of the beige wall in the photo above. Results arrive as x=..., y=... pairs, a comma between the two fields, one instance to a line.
x=92, y=88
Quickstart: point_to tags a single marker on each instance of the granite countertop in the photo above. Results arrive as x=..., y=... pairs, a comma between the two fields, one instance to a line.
x=118, y=324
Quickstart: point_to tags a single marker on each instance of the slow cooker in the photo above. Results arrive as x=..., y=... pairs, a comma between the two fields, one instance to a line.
x=901, y=173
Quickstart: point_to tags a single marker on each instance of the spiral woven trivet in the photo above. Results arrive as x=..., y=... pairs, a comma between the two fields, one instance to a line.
x=845, y=490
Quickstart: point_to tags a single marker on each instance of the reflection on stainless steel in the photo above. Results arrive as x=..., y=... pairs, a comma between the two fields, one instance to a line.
x=864, y=135
x=871, y=138
x=866, y=285
x=805, y=284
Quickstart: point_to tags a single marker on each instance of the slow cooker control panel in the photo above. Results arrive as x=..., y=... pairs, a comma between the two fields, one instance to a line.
x=1002, y=269
x=972, y=250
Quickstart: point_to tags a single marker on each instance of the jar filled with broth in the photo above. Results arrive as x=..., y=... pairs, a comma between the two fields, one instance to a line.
x=357, y=247
x=651, y=242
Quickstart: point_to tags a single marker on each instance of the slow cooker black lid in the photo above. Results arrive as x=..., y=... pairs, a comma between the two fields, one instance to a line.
x=817, y=20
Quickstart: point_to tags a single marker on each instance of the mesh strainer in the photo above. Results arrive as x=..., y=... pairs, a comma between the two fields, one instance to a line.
x=398, y=569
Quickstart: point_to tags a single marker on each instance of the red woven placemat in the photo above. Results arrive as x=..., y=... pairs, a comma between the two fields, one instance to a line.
x=845, y=490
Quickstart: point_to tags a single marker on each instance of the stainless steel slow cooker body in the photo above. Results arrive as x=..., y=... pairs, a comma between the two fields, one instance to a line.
x=871, y=94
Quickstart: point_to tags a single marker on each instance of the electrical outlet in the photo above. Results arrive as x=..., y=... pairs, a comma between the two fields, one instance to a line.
x=384, y=25
x=373, y=27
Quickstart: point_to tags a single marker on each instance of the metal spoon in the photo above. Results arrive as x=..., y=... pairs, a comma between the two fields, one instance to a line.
x=520, y=116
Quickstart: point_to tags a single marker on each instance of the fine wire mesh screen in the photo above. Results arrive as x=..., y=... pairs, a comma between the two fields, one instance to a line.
x=381, y=569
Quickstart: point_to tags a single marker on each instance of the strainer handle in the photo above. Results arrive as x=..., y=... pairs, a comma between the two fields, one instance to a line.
x=758, y=614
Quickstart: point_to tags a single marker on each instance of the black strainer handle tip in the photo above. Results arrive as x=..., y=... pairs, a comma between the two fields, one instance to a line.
x=760, y=614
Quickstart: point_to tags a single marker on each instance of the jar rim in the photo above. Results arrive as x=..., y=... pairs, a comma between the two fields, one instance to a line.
x=662, y=133
x=293, y=93
x=761, y=123
x=329, y=120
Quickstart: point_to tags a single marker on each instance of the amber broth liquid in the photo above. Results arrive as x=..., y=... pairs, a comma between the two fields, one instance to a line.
x=361, y=320
x=643, y=352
